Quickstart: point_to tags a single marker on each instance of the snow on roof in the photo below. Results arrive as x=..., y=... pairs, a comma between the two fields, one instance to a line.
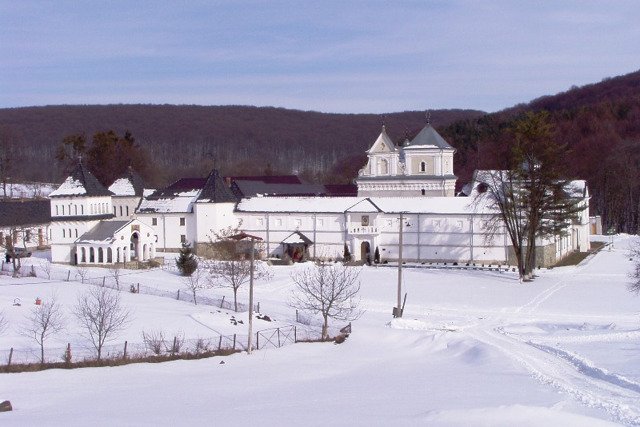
x=439, y=205
x=175, y=202
x=103, y=232
x=70, y=187
x=122, y=187
x=298, y=204
x=297, y=238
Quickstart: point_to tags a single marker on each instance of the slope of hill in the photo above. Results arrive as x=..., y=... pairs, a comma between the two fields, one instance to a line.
x=601, y=125
x=239, y=140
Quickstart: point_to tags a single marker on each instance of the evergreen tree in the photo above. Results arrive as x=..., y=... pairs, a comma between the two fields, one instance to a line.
x=346, y=254
x=186, y=262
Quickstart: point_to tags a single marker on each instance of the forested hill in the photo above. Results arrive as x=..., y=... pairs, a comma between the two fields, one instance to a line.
x=189, y=140
x=600, y=123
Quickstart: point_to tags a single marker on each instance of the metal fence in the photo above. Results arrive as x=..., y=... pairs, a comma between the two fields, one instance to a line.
x=122, y=281
x=159, y=347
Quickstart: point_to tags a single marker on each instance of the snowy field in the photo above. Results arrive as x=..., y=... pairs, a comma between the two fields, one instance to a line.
x=473, y=348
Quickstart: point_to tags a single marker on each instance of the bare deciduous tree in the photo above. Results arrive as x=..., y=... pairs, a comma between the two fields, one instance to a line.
x=45, y=266
x=116, y=273
x=634, y=284
x=44, y=321
x=154, y=341
x=328, y=289
x=196, y=282
x=234, y=267
x=233, y=274
x=102, y=315
x=82, y=273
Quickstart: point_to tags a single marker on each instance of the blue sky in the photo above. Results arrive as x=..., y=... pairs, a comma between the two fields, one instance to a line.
x=332, y=56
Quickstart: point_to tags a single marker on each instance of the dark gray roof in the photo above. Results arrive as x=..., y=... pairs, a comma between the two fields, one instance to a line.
x=24, y=212
x=215, y=190
x=429, y=136
x=136, y=181
x=80, y=176
x=103, y=231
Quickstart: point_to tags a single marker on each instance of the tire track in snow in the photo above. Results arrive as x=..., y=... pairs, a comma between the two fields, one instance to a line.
x=533, y=305
x=621, y=400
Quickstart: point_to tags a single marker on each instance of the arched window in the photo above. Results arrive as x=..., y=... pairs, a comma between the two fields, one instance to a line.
x=81, y=209
x=76, y=209
x=423, y=166
x=63, y=233
x=384, y=167
x=57, y=210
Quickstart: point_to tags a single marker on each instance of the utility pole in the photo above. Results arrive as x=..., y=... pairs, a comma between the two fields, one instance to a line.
x=398, y=311
x=251, y=297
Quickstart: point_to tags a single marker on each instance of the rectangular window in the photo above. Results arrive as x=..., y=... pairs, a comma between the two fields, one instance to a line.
x=154, y=221
x=364, y=221
x=279, y=222
x=320, y=222
x=183, y=238
x=120, y=210
x=259, y=222
x=127, y=210
x=298, y=222
x=63, y=233
x=182, y=221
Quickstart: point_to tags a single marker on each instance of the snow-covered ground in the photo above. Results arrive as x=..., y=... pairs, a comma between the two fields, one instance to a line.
x=473, y=348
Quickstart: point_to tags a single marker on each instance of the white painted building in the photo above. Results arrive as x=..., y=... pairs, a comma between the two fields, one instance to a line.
x=410, y=186
x=81, y=211
x=189, y=210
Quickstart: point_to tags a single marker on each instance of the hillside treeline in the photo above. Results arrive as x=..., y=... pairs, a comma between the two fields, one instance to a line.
x=600, y=123
x=184, y=141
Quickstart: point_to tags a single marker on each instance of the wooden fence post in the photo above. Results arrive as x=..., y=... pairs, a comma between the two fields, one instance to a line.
x=138, y=288
x=279, y=338
x=222, y=303
x=234, y=342
x=178, y=297
x=68, y=275
x=175, y=344
x=295, y=334
x=10, y=356
x=103, y=279
x=124, y=355
x=220, y=343
x=257, y=342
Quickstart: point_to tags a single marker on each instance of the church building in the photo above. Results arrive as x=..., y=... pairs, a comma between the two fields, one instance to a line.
x=404, y=194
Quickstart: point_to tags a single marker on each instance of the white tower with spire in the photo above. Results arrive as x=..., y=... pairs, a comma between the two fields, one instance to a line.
x=422, y=166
